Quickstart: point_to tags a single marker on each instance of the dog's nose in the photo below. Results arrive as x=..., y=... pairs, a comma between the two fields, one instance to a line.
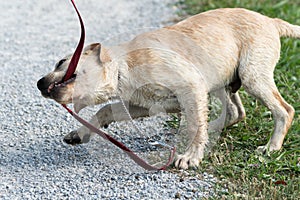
x=41, y=84
x=43, y=87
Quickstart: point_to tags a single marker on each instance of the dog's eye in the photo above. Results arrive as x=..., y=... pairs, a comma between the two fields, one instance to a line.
x=60, y=63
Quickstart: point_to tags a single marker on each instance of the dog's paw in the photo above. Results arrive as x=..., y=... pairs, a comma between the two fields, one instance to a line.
x=190, y=159
x=73, y=138
x=261, y=149
x=184, y=162
x=267, y=149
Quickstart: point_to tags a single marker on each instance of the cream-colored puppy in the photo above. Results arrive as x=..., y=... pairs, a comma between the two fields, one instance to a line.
x=176, y=67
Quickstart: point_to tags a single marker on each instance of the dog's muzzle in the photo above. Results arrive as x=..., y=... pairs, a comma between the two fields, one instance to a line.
x=46, y=87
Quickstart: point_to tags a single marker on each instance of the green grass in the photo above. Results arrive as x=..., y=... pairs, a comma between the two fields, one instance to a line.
x=243, y=172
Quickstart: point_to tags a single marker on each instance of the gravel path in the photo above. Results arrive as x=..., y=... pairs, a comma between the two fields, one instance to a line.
x=34, y=161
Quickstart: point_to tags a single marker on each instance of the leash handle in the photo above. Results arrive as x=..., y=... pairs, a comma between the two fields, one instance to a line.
x=75, y=58
x=130, y=153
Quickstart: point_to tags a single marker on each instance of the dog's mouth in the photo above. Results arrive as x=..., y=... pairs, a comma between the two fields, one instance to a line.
x=57, y=85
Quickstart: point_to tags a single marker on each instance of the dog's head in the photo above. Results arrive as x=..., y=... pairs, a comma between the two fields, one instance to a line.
x=93, y=81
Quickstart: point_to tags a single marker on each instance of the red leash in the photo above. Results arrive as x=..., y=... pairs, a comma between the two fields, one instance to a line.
x=130, y=153
x=69, y=74
x=77, y=53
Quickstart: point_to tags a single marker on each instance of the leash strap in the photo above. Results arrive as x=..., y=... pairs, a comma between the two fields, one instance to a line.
x=70, y=71
x=77, y=53
x=130, y=153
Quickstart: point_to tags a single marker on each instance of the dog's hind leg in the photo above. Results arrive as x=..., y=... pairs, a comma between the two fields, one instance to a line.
x=106, y=115
x=282, y=112
x=235, y=111
x=232, y=110
x=259, y=82
x=218, y=124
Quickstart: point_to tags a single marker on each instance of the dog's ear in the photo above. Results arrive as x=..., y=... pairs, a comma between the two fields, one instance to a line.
x=104, y=55
x=91, y=47
x=98, y=50
x=94, y=48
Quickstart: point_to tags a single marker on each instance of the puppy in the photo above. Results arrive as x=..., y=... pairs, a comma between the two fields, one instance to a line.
x=176, y=67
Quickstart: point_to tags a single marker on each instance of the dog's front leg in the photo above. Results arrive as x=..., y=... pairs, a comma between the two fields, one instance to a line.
x=195, y=107
x=106, y=115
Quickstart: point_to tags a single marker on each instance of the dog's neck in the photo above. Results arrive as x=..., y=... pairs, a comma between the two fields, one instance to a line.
x=118, y=63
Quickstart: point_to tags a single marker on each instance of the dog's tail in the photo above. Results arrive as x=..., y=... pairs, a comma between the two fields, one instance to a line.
x=286, y=29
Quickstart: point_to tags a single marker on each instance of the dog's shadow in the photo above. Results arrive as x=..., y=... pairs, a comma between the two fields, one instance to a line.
x=44, y=155
x=51, y=155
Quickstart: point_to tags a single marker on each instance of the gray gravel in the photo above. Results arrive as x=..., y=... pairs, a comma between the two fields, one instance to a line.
x=34, y=161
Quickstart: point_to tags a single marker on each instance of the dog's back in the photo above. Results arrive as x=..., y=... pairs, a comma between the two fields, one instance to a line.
x=229, y=33
x=242, y=22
